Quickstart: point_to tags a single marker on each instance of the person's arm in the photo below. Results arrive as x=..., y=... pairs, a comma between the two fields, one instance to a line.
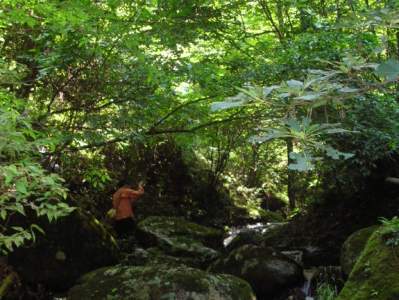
x=115, y=200
x=136, y=194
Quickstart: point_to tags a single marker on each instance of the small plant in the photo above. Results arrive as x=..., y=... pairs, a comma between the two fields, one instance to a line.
x=326, y=291
x=390, y=231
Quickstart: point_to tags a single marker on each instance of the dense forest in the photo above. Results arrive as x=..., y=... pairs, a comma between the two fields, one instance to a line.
x=187, y=149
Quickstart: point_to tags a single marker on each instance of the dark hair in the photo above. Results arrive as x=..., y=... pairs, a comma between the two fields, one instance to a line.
x=125, y=182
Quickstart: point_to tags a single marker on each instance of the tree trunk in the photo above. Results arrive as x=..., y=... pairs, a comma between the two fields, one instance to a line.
x=291, y=176
x=252, y=179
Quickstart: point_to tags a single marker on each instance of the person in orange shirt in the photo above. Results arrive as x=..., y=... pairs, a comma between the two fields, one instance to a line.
x=122, y=202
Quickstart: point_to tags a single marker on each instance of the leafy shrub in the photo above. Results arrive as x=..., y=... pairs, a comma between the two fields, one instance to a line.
x=24, y=185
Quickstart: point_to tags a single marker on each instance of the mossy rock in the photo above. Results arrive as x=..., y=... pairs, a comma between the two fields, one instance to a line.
x=375, y=275
x=155, y=256
x=266, y=270
x=178, y=237
x=159, y=282
x=271, y=216
x=71, y=247
x=353, y=247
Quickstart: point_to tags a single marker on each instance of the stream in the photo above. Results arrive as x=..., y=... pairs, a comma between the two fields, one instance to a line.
x=307, y=290
x=257, y=228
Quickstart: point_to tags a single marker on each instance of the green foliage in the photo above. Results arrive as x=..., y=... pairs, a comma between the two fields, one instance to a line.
x=307, y=138
x=242, y=196
x=97, y=177
x=325, y=291
x=390, y=230
x=93, y=75
x=389, y=69
x=24, y=185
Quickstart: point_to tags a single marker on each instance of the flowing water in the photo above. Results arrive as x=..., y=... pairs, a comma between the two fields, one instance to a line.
x=312, y=275
x=258, y=227
x=307, y=286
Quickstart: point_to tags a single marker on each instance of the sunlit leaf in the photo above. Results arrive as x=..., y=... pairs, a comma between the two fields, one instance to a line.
x=389, y=69
x=217, y=106
x=348, y=90
x=302, y=162
x=295, y=83
x=309, y=97
x=268, y=89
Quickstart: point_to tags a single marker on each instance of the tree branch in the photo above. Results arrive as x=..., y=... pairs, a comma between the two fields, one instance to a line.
x=177, y=108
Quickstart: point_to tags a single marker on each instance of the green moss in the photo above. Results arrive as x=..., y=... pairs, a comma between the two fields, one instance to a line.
x=92, y=224
x=178, y=226
x=353, y=247
x=271, y=216
x=265, y=269
x=177, y=237
x=375, y=274
x=159, y=282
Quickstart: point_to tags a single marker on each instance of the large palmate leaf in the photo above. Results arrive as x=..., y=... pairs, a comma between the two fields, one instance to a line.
x=302, y=162
x=335, y=154
x=389, y=69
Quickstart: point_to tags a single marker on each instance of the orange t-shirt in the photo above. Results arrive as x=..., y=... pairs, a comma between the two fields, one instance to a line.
x=122, y=201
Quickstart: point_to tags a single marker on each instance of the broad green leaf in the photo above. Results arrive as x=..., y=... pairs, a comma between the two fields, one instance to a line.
x=303, y=162
x=293, y=124
x=21, y=186
x=389, y=69
x=3, y=214
x=273, y=134
x=19, y=208
x=216, y=106
x=337, y=130
x=309, y=97
x=335, y=154
x=268, y=89
x=295, y=83
x=284, y=95
x=348, y=90
x=34, y=226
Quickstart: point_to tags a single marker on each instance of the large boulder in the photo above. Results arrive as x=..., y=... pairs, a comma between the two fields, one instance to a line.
x=158, y=282
x=253, y=234
x=71, y=247
x=284, y=238
x=267, y=270
x=375, y=274
x=353, y=247
x=176, y=236
x=155, y=256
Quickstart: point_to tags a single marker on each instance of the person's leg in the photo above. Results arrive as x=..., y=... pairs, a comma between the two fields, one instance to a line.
x=119, y=227
x=125, y=227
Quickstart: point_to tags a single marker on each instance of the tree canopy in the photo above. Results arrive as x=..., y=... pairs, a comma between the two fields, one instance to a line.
x=273, y=95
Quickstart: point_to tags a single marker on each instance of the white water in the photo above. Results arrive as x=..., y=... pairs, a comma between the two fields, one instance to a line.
x=258, y=227
x=306, y=289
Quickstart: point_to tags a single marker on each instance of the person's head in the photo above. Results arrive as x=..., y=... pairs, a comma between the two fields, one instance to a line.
x=125, y=183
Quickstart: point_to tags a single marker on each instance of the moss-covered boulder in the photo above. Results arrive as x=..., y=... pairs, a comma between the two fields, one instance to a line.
x=271, y=216
x=375, y=274
x=267, y=270
x=353, y=247
x=159, y=282
x=176, y=236
x=71, y=247
x=155, y=256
